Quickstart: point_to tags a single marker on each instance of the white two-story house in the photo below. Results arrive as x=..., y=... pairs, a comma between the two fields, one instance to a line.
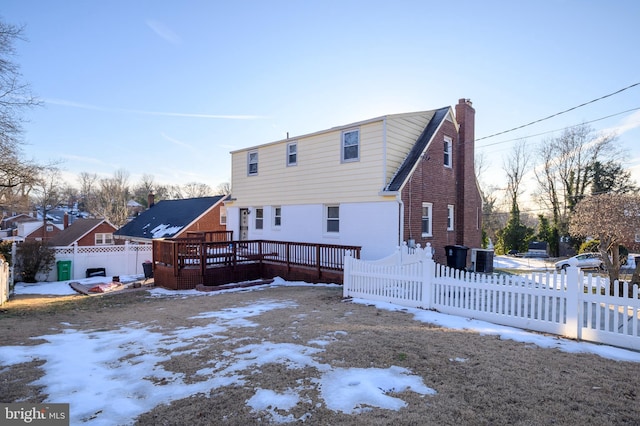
x=374, y=184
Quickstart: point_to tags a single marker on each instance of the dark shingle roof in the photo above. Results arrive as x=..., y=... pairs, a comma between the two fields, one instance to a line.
x=167, y=218
x=75, y=231
x=418, y=148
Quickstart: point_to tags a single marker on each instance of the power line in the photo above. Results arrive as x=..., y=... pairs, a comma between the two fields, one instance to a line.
x=561, y=112
x=557, y=130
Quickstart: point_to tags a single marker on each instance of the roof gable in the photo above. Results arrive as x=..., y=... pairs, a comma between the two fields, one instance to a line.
x=409, y=164
x=168, y=217
x=78, y=229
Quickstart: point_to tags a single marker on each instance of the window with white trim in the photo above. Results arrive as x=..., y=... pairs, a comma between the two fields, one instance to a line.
x=252, y=163
x=350, y=145
x=332, y=219
x=448, y=152
x=223, y=215
x=292, y=154
x=277, y=217
x=259, y=218
x=103, y=238
x=450, y=212
x=427, y=219
x=49, y=228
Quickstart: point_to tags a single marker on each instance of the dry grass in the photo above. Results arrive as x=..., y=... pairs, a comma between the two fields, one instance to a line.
x=498, y=383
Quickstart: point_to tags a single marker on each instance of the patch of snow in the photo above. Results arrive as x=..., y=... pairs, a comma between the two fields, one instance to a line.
x=164, y=230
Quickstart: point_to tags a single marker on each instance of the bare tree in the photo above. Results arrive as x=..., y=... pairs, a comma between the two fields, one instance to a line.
x=146, y=186
x=613, y=219
x=515, y=167
x=48, y=191
x=88, y=191
x=196, y=190
x=566, y=172
x=223, y=188
x=112, y=198
x=17, y=175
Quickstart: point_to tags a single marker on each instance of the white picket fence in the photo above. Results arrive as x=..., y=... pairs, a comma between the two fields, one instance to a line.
x=568, y=303
x=5, y=281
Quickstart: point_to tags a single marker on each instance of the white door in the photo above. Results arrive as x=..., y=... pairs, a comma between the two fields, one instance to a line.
x=244, y=224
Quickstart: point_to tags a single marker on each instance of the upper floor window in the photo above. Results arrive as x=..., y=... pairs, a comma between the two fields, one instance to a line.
x=450, y=217
x=292, y=154
x=448, y=152
x=252, y=163
x=333, y=219
x=350, y=145
x=427, y=219
x=259, y=218
x=277, y=216
x=103, y=238
x=49, y=228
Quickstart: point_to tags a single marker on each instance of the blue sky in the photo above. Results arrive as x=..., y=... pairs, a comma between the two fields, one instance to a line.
x=168, y=88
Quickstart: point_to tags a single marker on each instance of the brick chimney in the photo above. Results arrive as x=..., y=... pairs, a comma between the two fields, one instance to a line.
x=468, y=228
x=65, y=220
x=150, y=200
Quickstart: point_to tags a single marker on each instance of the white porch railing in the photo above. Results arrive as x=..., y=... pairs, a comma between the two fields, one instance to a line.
x=570, y=304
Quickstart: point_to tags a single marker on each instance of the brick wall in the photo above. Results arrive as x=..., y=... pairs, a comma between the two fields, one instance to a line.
x=432, y=182
x=210, y=221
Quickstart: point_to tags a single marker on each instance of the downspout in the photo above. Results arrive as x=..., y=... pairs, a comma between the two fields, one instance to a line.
x=401, y=219
x=384, y=182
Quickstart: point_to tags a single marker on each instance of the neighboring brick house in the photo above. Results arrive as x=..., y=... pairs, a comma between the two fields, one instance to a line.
x=175, y=219
x=36, y=230
x=374, y=184
x=86, y=232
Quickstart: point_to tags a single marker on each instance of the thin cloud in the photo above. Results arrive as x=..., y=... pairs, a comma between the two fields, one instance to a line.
x=630, y=122
x=72, y=104
x=163, y=31
x=175, y=141
x=82, y=159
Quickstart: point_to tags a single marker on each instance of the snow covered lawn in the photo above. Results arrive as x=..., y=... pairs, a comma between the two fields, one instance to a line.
x=283, y=353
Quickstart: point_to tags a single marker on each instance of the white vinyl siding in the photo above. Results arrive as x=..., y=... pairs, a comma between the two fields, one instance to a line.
x=309, y=182
x=402, y=133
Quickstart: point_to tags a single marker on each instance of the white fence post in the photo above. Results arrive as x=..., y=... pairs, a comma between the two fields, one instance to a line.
x=574, y=292
x=346, y=271
x=428, y=273
x=74, y=262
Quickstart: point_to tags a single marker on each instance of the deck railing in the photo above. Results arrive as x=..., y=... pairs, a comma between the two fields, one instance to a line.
x=196, y=252
x=211, y=236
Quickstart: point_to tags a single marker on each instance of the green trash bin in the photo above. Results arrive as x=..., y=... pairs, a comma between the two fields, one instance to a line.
x=64, y=270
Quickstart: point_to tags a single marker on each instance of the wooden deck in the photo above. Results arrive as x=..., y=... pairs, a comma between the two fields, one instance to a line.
x=185, y=263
